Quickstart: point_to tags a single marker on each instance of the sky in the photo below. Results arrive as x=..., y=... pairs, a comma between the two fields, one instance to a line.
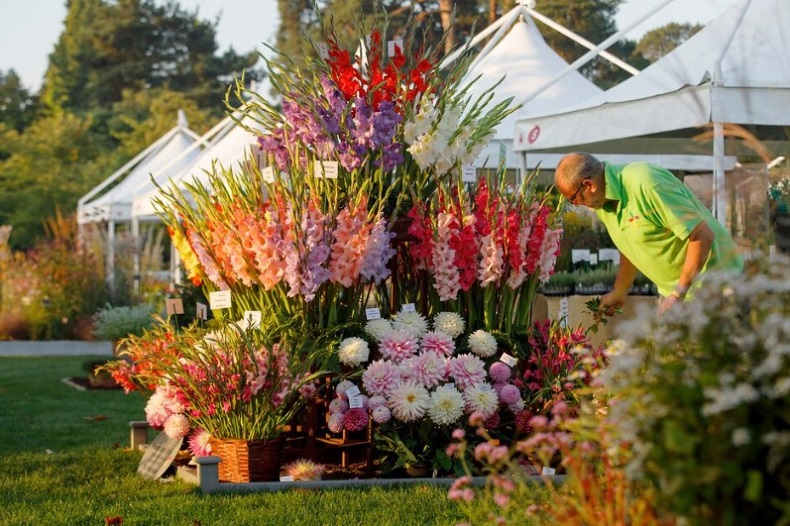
x=29, y=29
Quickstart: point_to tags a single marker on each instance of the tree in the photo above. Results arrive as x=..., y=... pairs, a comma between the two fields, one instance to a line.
x=660, y=41
x=17, y=105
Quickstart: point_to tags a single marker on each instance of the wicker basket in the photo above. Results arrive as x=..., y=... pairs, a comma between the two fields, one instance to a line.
x=248, y=460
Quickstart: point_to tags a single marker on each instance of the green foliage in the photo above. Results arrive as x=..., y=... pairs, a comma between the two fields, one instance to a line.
x=702, y=396
x=17, y=105
x=115, y=323
x=659, y=41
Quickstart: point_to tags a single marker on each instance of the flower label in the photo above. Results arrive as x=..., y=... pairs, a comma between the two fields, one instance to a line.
x=392, y=44
x=219, y=299
x=547, y=471
x=201, y=310
x=408, y=307
x=355, y=401
x=468, y=173
x=352, y=392
x=174, y=306
x=373, y=314
x=286, y=478
x=268, y=174
x=326, y=169
x=508, y=360
x=564, y=312
x=252, y=317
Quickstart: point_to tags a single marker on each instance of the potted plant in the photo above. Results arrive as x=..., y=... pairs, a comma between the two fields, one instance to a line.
x=116, y=323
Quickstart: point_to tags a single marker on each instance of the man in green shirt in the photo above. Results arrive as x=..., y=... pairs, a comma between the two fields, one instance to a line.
x=660, y=228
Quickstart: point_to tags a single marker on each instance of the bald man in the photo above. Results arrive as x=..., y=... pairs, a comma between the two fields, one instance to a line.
x=660, y=228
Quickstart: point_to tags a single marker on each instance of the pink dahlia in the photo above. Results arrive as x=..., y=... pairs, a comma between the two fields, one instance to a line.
x=335, y=423
x=199, y=443
x=381, y=414
x=380, y=377
x=499, y=372
x=467, y=370
x=376, y=401
x=510, y=394
x=338, y=405
x=428, y=369
x=398, y=346
x=355, y=419
x=439, y=343
x=177, y=426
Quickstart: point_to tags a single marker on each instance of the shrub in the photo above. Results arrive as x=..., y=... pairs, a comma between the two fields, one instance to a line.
x=114, y=323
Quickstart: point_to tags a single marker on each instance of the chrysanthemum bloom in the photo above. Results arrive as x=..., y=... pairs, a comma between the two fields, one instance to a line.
x=521, y=420
x=161, y=405
x=446, y=405
x=381, y=414
x=398, y=346
x=412, y=323
x=380, y=377
x=427, y=369
x=355, y=419
x=510, y=394
x=343, y=386
x=438, y=342
x=467, y=370
x=481, y=398
x=304, y=469
x=499, y=372
x=199, y=443
x=353, y=351
x=449, y=323
x=376, y=401
x=335, y=422
x=177, y=426
x=338, y=405
x=378, y=328
x=482, y=343
x=409, y=401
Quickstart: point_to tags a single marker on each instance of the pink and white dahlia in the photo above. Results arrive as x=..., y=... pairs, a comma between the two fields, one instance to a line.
x=199, y=443
x=412, y=323
x=353, y=351
x=481, y=398
x=409, y=401
x=376, y=401
x=343, y=386
x=499, y=372
x=338, y=405
x=449, y=323
x=335, y=422
x=467, y=370
x=398, y=346
x=510, y=394
x=355, y=419
x=446, y=405
x=428, y=369
x=162, y=403
x=438, y=342
x=381, y=414
x=177, y=426
x=482, y=343
x=381, y=377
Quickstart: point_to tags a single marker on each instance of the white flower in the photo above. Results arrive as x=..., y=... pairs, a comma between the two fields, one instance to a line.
x=741, y=437
x=409, y=401
x=482, y=343
x=482, y=399
x=412, y=323
x=353, y=351
x=378, y=329
x=449, y=323
x=446, y=405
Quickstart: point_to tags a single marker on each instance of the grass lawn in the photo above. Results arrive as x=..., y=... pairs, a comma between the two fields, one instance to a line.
x=64, y=460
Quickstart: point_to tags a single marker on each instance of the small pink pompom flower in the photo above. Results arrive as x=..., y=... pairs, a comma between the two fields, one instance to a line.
x=499, y=372
x=510, y=394
x=355, y=419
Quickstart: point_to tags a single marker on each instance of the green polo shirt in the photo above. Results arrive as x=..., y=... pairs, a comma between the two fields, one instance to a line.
x=650, y=214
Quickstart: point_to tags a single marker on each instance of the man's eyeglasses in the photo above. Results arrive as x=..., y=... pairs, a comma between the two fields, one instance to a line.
x=572, y=198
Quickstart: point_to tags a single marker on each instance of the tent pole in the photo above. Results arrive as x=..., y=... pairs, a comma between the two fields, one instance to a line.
x=719, y=183
x=136, y=278
x=110, y=263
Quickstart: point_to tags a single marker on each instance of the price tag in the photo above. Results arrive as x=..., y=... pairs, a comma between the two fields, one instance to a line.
x=323, y=50
x=508, y=360
x=253, y=317
x=174, y=306
x=326, y=169
x=201, y=310
x=564, y=312
x=408, y=307
x=373, y=314
x=547, y=471
x=468, y=173
x=268, y=174
x=219, y=299
x=352, y=392
x=355, y=402
x=391, y=46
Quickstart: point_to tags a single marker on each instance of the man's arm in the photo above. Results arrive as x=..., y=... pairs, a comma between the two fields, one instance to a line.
x=700, y=242
x=622, y=284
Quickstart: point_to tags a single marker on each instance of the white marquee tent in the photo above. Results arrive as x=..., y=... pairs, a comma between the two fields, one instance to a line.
x=736, y=70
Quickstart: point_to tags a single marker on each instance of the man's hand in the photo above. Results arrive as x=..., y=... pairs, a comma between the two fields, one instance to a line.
x=611, y=302
x=667, y=302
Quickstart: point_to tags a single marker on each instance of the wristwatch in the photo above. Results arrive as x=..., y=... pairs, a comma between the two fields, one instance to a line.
x=680, y=291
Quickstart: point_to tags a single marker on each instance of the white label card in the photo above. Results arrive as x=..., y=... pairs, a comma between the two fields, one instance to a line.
x=174, y=306
x=201, y=310
x=286, y=478
x=326, y=169
x=253, y=317
x=564, y=312
x=355, y=402
x=268, y=174
x=352, y=392
x=547, y=471
x=468, y=173
x=373, y=314
x=408, y=307
x=391, y=46
x=508, y=360
x=580, y=254
x=323, y=50
x=609, y=254
x=219, y=299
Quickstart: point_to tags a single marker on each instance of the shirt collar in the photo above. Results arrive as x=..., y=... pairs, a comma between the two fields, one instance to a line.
x=614, y=185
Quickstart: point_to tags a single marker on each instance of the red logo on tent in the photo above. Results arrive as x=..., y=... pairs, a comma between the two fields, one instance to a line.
x=534, y=133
